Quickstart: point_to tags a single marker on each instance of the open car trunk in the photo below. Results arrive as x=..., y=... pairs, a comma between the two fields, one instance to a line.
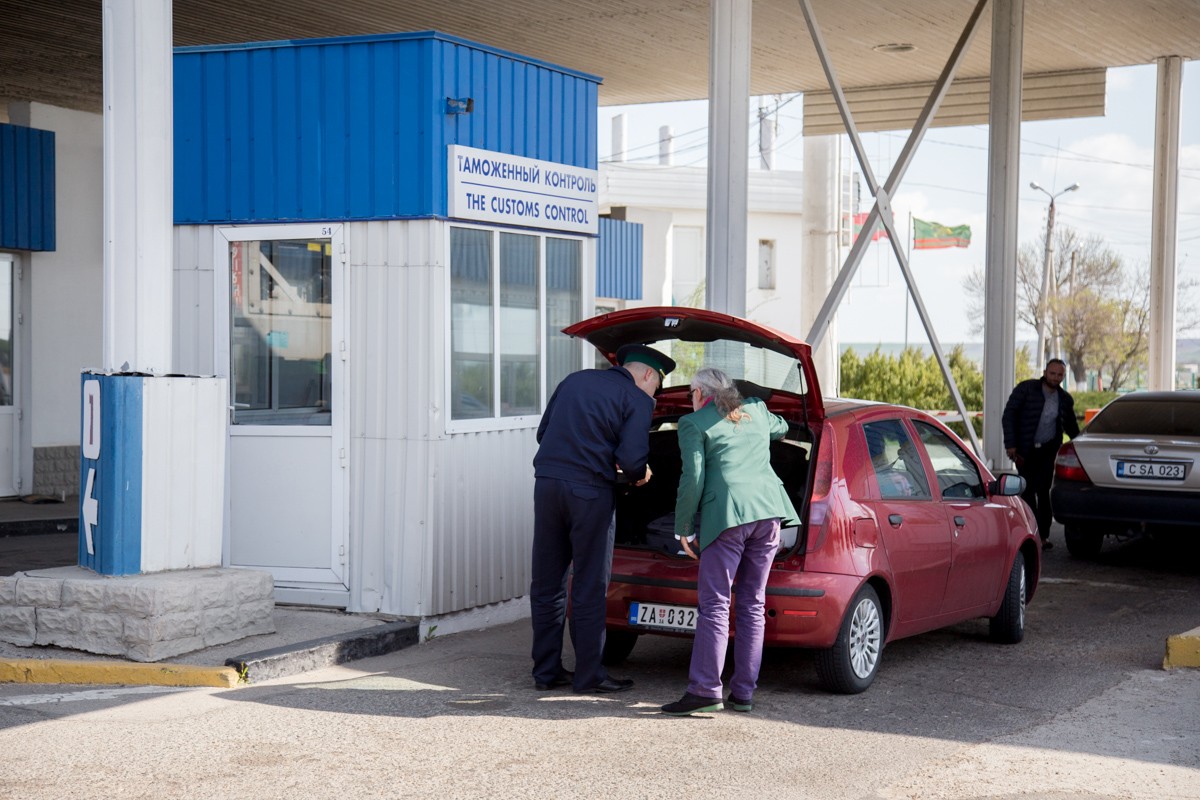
x=645, y=515
x=767, y=364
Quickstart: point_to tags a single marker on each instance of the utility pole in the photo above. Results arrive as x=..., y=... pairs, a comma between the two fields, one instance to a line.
x=1047, y=268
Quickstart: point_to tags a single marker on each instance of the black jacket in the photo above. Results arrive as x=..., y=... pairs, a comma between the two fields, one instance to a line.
x=1024, y=410
x=596, y=420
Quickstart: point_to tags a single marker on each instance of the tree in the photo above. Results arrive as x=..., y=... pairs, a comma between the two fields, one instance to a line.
x=1099, y=312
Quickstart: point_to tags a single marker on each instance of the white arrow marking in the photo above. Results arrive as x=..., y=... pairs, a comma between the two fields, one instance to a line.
x=90, y=507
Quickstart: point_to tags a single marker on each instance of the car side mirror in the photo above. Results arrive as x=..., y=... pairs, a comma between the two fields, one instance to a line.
x=1007, y=485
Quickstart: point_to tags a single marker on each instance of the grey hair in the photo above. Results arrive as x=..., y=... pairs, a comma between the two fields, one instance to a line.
x=714, y=383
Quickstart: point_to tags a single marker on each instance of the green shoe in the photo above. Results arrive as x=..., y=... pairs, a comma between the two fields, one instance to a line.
x=692, y=704
x=737, y=704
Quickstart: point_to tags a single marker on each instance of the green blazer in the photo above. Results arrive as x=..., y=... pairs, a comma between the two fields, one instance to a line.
x=727, y=471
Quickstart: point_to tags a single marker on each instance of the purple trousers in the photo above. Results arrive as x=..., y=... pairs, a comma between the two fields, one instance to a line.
x=741, y=556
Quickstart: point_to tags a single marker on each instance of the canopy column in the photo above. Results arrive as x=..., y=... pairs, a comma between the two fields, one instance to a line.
x=728, y=162
x=1000, y=270
x=1164, y=222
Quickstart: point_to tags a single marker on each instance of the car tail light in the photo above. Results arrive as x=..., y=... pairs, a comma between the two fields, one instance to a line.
x=823, y=469
x=818, y=505
x=1067, y=466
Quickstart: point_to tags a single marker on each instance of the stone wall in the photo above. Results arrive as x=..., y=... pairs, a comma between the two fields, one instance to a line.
x=56, y=470
x=140, y=617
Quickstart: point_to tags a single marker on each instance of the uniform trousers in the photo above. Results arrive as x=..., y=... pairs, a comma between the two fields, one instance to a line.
x=740, y=558
x=571, y=535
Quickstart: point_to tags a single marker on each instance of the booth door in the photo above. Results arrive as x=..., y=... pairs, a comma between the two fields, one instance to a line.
x=10, y=437
x=287, y=450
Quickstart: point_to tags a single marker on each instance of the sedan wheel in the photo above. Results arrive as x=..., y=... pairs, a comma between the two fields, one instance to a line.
x=850, y=665
x=1083, y=543
x=1008, y=626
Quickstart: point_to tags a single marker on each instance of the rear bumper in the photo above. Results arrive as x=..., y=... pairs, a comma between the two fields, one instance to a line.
x=803, y=609
x=1077, y=501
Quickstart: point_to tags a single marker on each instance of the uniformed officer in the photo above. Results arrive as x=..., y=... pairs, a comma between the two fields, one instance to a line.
x=596, y=422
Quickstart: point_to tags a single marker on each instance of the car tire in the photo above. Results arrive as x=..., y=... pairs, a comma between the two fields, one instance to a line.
x=617, y=647
x=1083, y=543
x=849, y=667
x=1008, y=626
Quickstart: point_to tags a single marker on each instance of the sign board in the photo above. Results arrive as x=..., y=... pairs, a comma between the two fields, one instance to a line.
x=512, y=190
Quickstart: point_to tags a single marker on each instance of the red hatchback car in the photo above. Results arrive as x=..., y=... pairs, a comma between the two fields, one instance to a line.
x=902, y=529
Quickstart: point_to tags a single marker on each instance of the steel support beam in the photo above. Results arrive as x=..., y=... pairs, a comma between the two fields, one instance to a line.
x=728, y=159
x=881, y=210
x=1163, y=270
x=1000, y=270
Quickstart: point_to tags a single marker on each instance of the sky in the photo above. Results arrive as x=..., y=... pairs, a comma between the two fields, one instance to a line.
x=1110, y=157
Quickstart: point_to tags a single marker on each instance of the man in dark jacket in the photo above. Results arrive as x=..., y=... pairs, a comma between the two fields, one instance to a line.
x=597, y=421
x=1037, y=414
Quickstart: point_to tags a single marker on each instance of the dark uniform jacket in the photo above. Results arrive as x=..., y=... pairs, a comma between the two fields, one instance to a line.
x=595, y=420
x=1024, y=410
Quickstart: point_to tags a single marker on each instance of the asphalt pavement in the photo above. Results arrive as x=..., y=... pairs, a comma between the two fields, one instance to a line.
x=1080, y=709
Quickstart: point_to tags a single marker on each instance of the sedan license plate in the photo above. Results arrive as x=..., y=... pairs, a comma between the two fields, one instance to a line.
x=667, y=618
x=1153, y=470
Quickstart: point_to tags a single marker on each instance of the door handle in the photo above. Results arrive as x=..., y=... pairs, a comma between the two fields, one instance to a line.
x=960, y=521
x=895, y=519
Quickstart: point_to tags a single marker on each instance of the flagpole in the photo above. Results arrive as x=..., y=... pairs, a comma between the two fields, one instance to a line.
x=907, y=292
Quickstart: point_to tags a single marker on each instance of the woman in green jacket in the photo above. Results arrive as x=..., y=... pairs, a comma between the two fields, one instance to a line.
x=727, y=476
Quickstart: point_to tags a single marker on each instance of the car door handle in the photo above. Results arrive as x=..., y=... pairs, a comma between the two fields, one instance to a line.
x=960, y=521
x=895, y=519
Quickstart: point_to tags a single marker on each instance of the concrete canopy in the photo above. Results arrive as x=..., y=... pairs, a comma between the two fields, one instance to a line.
x=646, y=51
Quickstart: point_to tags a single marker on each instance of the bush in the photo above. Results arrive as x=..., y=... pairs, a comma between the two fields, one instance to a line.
x=1086, y=400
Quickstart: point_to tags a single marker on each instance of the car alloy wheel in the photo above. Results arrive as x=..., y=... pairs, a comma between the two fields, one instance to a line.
x=850, y=666
x=1008, y=626
x=866, y=630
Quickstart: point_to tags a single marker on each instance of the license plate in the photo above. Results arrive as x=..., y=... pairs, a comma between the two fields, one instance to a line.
x=1153, y=470
x=667, y=618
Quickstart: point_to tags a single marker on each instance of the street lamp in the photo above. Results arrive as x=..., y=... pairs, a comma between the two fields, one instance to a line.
x=1044, y=299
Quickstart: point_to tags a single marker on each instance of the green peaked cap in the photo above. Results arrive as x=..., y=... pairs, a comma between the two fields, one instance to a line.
x=645, y=355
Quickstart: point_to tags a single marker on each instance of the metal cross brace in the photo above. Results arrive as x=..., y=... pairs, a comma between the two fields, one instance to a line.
x=881, y=210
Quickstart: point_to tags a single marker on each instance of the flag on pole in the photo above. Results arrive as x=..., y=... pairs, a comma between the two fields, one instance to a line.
x=934, y=236
x=860, y=220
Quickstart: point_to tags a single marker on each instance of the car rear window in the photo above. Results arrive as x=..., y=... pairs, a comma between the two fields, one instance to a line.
x=1152, y=418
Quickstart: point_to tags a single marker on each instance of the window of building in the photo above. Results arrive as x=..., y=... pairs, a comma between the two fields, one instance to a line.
x=766, y=263
x=280, y=332
x=504, y=360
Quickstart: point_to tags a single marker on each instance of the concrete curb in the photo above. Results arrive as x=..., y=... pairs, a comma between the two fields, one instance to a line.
x=329, y=651
x=50, y=670
x=1183, y=650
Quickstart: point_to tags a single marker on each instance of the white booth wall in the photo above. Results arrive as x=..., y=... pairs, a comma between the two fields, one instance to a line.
x=439, y=521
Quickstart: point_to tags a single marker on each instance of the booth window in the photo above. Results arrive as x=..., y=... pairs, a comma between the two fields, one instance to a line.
x=280, y=332
x=501, y=284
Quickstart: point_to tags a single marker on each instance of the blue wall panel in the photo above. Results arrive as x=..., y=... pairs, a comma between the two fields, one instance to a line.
x=26, y=188
x=356, y=128
x=619, y=259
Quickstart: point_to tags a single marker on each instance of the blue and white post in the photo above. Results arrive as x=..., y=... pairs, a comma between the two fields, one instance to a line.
x=152, y=473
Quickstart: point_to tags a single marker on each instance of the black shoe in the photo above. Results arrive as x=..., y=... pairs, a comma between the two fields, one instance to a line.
x=1047, y=544
x=737, y=704
x=691, y=704
x=560, y=680
x=610, y=685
